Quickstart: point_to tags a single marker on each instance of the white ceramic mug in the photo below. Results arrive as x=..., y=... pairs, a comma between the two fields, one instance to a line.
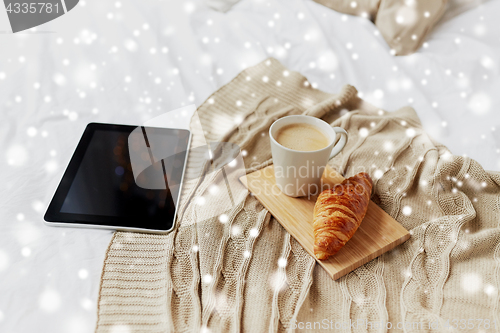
x=298, y=173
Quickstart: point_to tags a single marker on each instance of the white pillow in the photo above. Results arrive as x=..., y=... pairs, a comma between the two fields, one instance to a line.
x=457, y=7
x=221, y=5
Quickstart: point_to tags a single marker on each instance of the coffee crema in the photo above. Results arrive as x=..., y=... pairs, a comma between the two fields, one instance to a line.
x=302, y=137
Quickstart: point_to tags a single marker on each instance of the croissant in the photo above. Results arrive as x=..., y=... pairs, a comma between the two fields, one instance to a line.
x=338, y=212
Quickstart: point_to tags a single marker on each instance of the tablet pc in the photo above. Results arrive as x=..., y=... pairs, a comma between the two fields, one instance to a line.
x=122, y=177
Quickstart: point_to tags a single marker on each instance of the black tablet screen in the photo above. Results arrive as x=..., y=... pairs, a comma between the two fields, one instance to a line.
x=101, y=186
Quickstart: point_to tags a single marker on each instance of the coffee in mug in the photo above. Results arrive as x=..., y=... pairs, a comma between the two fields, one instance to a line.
x=302, y=137
x=301, y=147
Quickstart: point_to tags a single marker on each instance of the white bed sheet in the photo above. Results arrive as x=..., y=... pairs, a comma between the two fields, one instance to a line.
x=129, y=61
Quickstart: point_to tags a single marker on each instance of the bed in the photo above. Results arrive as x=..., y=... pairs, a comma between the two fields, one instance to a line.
x=128, y=62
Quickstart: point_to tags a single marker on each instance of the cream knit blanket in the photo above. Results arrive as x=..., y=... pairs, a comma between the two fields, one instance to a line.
x=206, y=277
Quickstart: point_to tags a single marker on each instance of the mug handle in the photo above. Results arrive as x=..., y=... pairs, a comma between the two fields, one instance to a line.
x=341, y=143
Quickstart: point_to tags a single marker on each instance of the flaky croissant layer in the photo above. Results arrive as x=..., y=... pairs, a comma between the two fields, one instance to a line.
x=338, y=213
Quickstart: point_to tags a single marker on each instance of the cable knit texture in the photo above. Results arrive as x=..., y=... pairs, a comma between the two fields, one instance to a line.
x=222, y=275
x=404, y=24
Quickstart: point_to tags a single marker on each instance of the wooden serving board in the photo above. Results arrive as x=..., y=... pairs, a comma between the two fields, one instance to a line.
x=377, y=234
